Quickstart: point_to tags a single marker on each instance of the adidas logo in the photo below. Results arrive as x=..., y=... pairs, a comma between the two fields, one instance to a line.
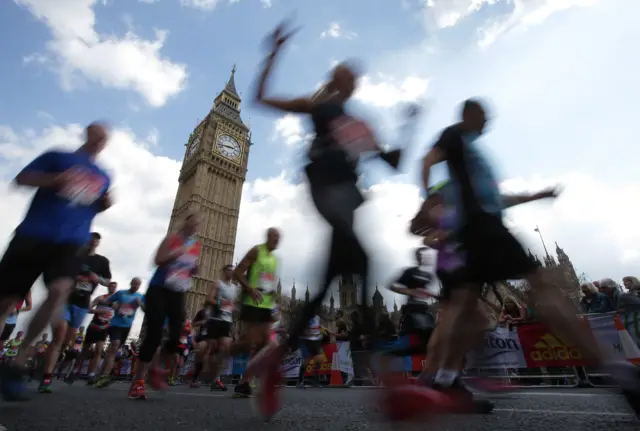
x=550, y=348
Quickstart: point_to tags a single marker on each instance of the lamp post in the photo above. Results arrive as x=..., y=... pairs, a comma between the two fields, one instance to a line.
x=537, y=229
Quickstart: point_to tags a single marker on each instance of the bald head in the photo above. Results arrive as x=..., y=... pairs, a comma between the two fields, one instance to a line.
x=135, y=284
x=273, y=238
x=97, y=135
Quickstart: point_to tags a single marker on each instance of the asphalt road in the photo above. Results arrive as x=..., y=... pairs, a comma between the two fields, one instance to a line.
x=81, y=408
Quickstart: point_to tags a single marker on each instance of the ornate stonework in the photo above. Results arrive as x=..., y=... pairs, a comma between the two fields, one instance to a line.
x=211, y=179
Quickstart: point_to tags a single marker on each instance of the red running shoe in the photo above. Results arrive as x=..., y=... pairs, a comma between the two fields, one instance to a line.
x=157, y=379
x=267, y=400
x=415, y=402
x=137, y=391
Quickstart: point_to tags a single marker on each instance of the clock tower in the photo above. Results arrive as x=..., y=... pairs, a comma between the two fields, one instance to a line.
x=210, y=181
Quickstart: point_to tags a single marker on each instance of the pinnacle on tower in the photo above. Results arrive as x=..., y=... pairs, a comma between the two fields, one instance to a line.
x=231, y=84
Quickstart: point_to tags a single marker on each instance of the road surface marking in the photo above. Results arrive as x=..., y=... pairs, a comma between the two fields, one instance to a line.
x=559, y=394
x=565, y=412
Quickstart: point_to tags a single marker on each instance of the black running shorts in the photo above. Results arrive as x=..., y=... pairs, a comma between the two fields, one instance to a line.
x=26, y=258
x=252, y=314
x=117, y=333
x=491, y=253
x=95, y=335
x=217, y=329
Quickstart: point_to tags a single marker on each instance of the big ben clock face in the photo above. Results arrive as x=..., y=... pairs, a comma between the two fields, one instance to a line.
x=193, y=146
x=228, y=147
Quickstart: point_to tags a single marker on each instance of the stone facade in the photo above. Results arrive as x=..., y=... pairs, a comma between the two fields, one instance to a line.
x=211, y=179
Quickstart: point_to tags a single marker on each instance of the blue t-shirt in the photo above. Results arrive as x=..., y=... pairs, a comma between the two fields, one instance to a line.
x=473, y=187
x=12, y=319
x=126, y=312
x=65, y=215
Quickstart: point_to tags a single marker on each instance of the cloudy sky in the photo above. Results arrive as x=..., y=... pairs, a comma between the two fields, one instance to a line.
x=557, y=74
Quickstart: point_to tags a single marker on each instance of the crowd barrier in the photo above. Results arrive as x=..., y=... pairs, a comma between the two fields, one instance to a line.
x=526, y=354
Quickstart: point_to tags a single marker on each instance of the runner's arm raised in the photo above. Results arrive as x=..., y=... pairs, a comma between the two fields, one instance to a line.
x=298, y=105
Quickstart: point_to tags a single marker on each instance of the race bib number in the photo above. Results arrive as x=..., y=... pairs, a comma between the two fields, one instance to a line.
x=127, y=310
x=226, y=309
x=178, y=282
x=179, y=275
x=85, y=188
x=107, y=316
x=183, y=340
x=266, y=282
x=354, y=136
x=84, y=286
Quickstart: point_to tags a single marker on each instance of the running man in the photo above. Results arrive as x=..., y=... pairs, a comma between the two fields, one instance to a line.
x=95, y=270
x=40, y=348
x=125, y=304
x=256, y=274
x=177, y=259
x=96, y=335
x=185, y=344
x=201, y=324
x=311, y=349
x=71, y=190
x=13, y=347
x=416, y=283
x=491, y=253
x=224, y=294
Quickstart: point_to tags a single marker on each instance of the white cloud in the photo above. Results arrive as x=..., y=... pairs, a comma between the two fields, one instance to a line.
x=386, y=91
x=201, y=4
x=335, y=31
x=127, y=62
x=522, y=14
x=149, y=1
x=290, y=130
x=266, y=3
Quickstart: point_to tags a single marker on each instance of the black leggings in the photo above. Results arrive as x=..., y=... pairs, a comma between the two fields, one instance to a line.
x=337, y=204
x=160, y=304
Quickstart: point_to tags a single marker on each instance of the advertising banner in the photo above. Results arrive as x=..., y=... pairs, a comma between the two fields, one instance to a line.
x=322, y=365
x=543, y=348
x=501, y=349
x=606, y=333
x=291, y=365
x=345, y=363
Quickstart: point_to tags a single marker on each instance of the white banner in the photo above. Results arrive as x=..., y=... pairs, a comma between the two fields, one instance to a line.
x=607, y=336
x=344, y=358
x=291, y=365
x=501, y=349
